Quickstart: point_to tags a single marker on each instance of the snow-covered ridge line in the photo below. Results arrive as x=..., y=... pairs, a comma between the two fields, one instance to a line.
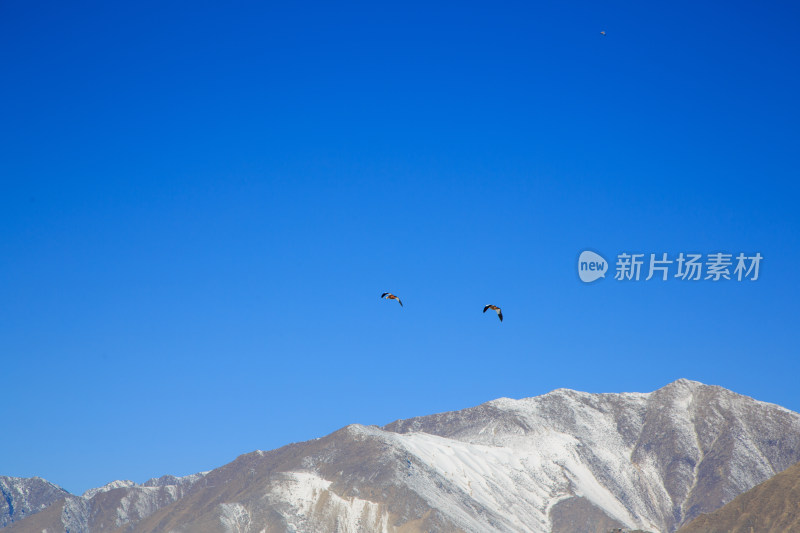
x=153, y=483
x=118, y=484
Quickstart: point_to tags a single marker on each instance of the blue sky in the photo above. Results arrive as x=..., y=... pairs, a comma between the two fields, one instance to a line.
x=200, y=205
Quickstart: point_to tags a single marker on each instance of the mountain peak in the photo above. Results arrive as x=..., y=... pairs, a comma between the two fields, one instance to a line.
x=118, y=484
x=679, y=384
x=684, y=382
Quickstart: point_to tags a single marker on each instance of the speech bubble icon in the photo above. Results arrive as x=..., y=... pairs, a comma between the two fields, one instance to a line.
x=591, y=266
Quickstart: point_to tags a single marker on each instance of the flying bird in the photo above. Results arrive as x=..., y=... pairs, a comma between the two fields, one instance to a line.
x=390, y=296
x=602, y=33
x=494, y=308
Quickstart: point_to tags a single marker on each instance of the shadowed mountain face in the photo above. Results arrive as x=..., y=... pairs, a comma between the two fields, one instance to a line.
x=564, y=461
x=772, y=506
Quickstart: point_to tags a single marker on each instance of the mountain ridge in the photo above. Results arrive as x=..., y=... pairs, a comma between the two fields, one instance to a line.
x=556, y=462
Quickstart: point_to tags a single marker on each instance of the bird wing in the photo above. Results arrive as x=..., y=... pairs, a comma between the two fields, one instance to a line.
x=485, y=308
x=384, y=295
x=398, y=301
x=500, y=315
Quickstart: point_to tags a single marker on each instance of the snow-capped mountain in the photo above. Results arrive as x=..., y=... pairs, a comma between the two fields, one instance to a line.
x=566, y=461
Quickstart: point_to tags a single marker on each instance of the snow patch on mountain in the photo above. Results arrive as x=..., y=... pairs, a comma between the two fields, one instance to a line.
x=235, y=518
x=527, y=480
x=75, y=515
x=299, y=495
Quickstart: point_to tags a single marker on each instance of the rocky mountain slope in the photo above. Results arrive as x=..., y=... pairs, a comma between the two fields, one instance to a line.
x=564, y=461
x=22, y=497
x=118, y=504
x=771, y=507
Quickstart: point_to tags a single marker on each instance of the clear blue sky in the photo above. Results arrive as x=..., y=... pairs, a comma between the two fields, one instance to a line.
x=200, y=205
